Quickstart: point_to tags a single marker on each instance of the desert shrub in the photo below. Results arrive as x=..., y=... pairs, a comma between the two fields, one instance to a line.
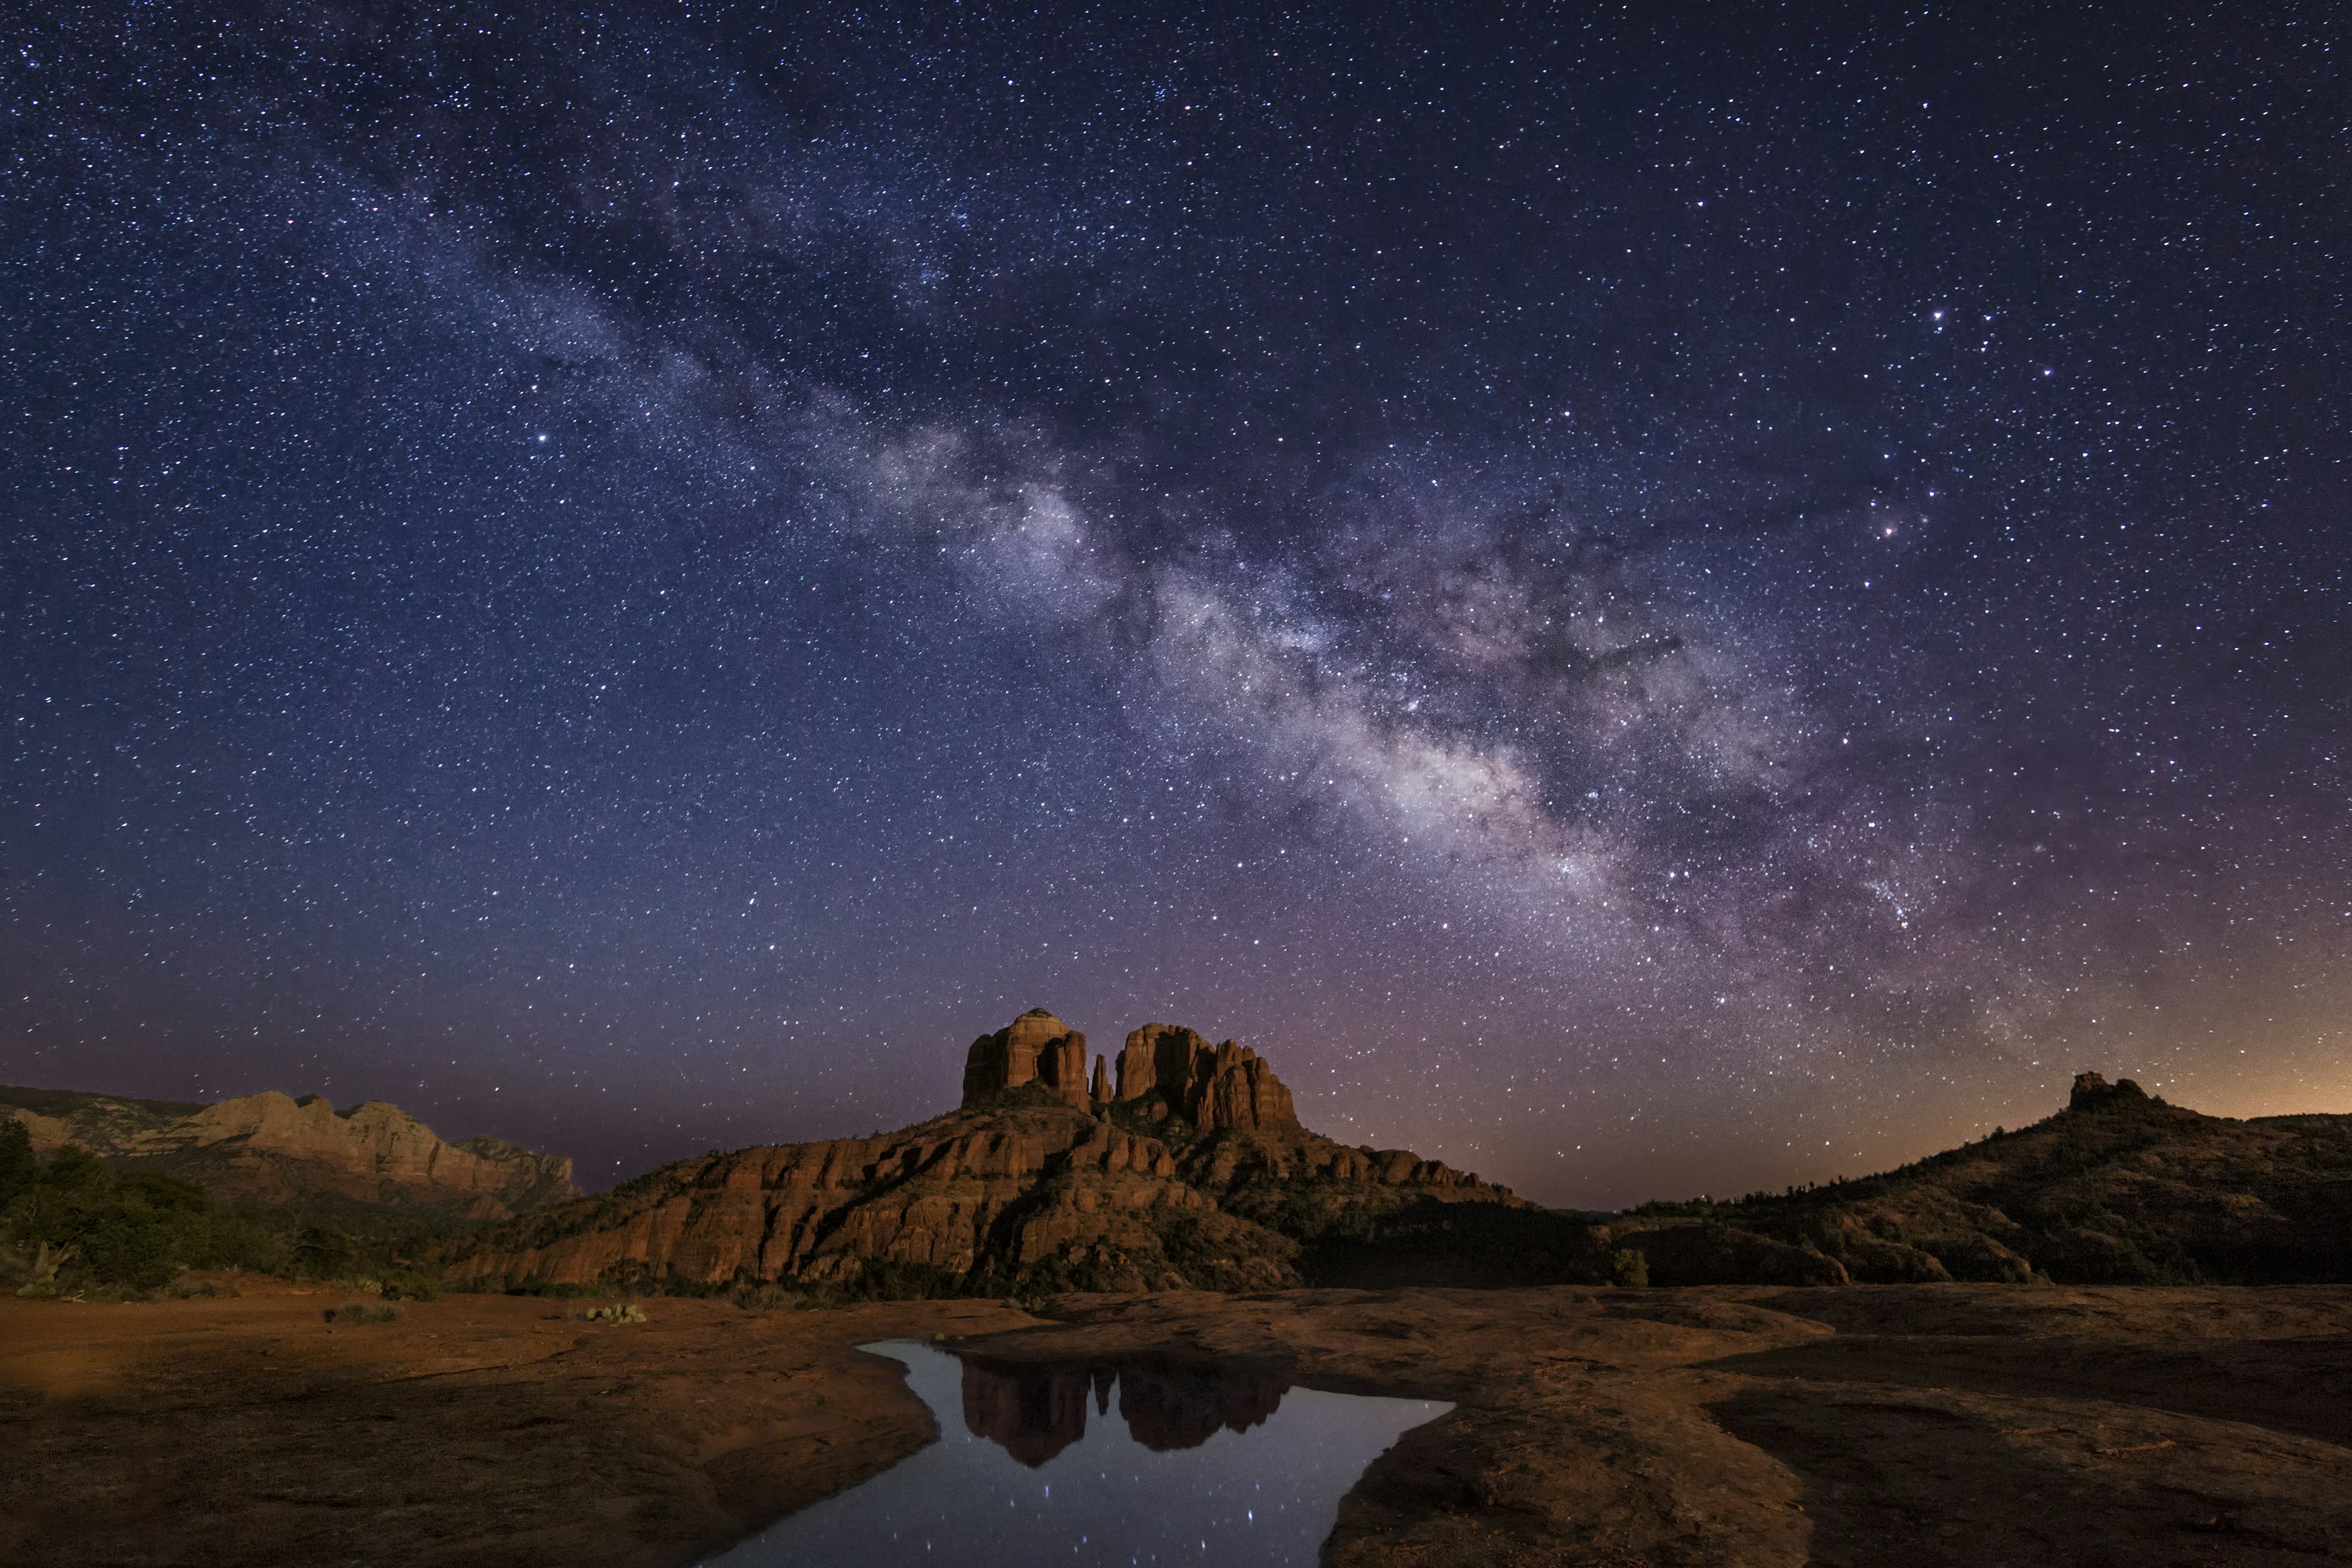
x=239, y=1239
x=132, y=1247
x=19, y=1168
x=1871, y=1260
x=91, y=1226
x=1629, y=1266
x=1422, y=1240
x=366, y=1312
x=616, y=1312
x=897, y=1281
x=1725, y=1255
x=555, y=1289
x=321, y=1252
x=768, y=1296
x=407, y=1285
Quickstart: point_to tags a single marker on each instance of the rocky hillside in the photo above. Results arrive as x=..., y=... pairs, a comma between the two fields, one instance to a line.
x=276, y=1149
x=2119, y=1187
x=1192, y=1170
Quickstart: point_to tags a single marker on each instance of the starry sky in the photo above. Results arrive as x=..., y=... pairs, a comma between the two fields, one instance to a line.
x=1648, y=600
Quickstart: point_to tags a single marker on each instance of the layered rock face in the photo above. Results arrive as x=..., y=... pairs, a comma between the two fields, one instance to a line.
x=1035, y=1048
x=972, y=1190
x=272, y=1146
x=1020, y=1193
x=1213, y=1087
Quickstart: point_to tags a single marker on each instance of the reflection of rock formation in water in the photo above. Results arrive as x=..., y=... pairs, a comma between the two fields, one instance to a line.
x=1033, y=1410
x=1170, y=1406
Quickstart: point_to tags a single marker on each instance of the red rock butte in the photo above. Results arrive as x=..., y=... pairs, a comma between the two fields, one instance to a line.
x=1188, y=1170
x=1211, y=1087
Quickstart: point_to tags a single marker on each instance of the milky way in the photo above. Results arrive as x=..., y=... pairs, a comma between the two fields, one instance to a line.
x=1646, y=607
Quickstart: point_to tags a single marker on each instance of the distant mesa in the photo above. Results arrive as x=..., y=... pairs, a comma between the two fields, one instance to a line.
x=275, y=1148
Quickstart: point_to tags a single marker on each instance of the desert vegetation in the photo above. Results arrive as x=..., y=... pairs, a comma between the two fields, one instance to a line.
x=73, y=1225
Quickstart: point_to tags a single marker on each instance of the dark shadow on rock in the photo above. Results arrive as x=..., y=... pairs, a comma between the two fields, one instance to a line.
x=2299, y=1385
x=1919, y=1479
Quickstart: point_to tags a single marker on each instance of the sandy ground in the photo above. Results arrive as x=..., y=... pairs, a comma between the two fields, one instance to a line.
x=1930, y=1424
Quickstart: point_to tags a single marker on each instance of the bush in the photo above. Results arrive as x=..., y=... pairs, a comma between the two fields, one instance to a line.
x=617, y=1312
x=769, y=1298
x=1629, y=1266
x=366, y=1312
x=91, y=1226
x=406, y=1285
x=19, y=1169
x=321, y=1252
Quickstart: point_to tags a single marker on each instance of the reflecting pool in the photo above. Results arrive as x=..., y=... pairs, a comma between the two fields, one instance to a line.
x=1130, y=1463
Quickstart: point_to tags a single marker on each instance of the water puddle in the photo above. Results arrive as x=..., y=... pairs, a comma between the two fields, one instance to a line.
x=1134, y=1463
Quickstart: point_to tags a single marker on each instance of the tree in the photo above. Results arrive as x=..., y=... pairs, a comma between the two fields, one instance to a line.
x=19, y=1168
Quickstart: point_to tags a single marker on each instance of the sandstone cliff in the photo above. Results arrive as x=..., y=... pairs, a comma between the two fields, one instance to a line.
x=277, y=1147
x=1205, y=1179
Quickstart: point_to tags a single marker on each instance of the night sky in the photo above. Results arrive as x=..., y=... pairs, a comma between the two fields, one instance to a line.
x=1671, y=603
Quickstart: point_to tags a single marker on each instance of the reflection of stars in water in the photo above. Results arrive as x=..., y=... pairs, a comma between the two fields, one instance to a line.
x=1261, y=1489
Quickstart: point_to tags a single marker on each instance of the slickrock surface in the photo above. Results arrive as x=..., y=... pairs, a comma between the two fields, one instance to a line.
x=483, y=1431
x=1957, y=1425
x=1926, y=1425
x=272, y=1146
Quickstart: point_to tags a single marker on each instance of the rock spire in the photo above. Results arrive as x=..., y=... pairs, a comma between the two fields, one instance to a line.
x=1211, y=1087
x=1035, y=1048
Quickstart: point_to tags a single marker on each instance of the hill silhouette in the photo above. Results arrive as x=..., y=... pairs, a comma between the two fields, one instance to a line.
x=2117, y=1188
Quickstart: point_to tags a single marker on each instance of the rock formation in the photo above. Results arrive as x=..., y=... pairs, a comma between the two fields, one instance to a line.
x=2117, y=1188
x=2092, y=1092
x=1030, y=1192
x=1213, y=1087
x=1035, y=1048
x=274, y=1147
